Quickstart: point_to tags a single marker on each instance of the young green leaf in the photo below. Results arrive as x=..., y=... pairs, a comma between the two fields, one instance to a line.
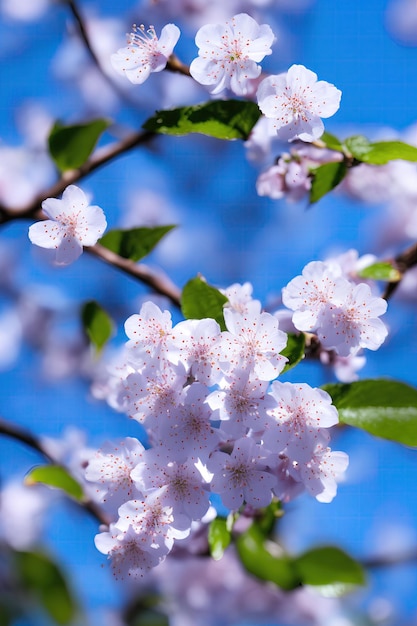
x=223, y=119
x=294, y=350
x=135, y=243
x=200, y=300
x=384, y=408
x=382, y=152
x=325, y=178
x=259, y=561
x=219, y=537
x=357, y=146
x=97, y=324
x=70, y=146
x=42, y=578
x=328, y=565
x=381, y=271
x=55, y=476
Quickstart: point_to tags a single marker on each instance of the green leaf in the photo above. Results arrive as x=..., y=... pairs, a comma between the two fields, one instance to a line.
x=55, y=476
x=325, y=178
x=70, y=146
x=382, y=152
x=200, y=300
x=223, y=119
x=219, y=537
x=135, y=243
x=294, y=350
x=381, y=271
x=259, y=561
x=44, y=580
x=332, y=142
x=384, y=408
x=97, y=324
x=328, y=565
x=357, y=146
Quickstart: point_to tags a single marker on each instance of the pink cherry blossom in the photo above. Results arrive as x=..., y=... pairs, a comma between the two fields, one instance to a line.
x=148, y=331
x=110, y=470
x=229, y=54
x=254, y=341
x=355, y=323
x=72, y=224
x=299, y=419
x=297, y=101
x=129, y=560
x=145, y=53
x=308, y=295
x=240, y=476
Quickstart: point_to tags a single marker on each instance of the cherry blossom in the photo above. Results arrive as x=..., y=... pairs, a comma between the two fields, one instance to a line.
x=129, y=560
x=355, y=323
x=309, y=294
x=297, y=102
x=110, y=470
x=299, y=418
x=240, y=476
x=179, y=485
x=145, y=52
x=254, y=341
x=72, y=224
x=344, y=314
x=229, y=54
x=151, y=521
x=289, y=179
x=148, y=330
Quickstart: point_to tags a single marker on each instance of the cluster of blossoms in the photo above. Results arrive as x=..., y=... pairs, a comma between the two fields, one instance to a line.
x=217, y=422
x=290, y=177
x=228, y=59
x=343, y=314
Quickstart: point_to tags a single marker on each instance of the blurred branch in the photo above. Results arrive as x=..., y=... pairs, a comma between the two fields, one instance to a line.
x=402, y=262
x=24, y=436
x=83, y=31
x=101, y=157
x=390, y=560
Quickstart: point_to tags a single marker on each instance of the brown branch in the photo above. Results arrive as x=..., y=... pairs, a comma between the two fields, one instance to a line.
x=24, y=436
x=100, y=158
x=175, y=65
x=82, y=29
x=402, y=262
x=158, y=282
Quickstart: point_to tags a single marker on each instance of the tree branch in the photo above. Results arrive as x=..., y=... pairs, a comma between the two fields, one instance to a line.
x=158, y=282
x=101, y=157
x=402, y=262
x=24, y=436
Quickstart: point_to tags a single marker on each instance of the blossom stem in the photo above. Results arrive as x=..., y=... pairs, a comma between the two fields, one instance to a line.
x=24, y=436
x=175, y=65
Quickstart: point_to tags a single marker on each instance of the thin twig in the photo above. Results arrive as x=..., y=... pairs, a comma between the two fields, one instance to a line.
x=18, y=433
x=402, y=262
x=158, y=282
x=83, y=31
